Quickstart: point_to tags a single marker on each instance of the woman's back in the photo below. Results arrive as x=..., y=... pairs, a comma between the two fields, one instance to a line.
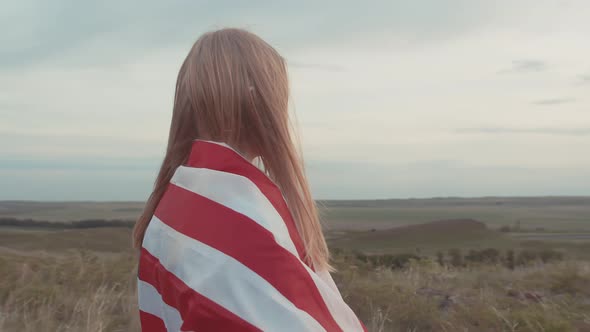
x=224, y=245
x=222, y=253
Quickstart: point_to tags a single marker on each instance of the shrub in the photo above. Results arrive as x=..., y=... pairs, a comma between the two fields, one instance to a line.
x=456, y=257
x=526, y=257
x=549, y=255
x=397, y=261
x=485, y=256
x=510, y=259
x=440, y=258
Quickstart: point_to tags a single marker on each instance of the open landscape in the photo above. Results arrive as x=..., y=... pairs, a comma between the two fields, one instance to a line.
x=445, y=144
x=443, y=264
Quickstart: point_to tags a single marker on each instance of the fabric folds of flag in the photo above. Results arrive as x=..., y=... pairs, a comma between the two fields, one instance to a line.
x=222, y=253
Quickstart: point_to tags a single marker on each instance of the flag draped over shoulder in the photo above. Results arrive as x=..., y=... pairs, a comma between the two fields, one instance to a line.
x=222, y=253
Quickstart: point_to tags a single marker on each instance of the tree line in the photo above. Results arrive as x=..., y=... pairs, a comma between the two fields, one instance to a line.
x=75, y=224
x=458, y=258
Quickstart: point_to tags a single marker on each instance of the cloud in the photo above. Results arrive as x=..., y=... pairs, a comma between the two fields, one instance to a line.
x=317, y=66
x=553, y=101
x=41, y=148
x=442, y=178
x=525, y=66
x=85, y=100
x=104, y=164
x=584, y=79
x=60, y=32
x=17, y=107
x=539, y=131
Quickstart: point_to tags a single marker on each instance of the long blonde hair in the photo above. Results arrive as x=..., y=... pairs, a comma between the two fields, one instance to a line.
x=233, y=87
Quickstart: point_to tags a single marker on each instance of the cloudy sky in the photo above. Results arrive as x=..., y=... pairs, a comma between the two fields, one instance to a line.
x=394, y=99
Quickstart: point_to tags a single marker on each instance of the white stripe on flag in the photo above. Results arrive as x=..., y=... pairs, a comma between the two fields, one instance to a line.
x=340, y=311
x=225, y=281
x=150, y=301
x=327, y=278
x=243, y=196
x=237, y=193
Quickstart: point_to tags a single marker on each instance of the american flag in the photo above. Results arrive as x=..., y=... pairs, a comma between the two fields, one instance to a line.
x=222, y=253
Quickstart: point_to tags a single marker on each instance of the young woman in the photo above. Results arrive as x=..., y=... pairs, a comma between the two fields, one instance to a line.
x=224, y=245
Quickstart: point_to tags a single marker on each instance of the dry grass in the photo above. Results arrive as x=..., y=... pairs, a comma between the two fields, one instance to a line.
x=92, y=291
x=427, y=297
x=84, y=279
x=74, y=291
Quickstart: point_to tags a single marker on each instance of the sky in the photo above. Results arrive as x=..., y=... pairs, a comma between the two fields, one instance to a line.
x=394, y=99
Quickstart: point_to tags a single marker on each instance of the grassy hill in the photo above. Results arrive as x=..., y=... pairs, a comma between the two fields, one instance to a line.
x=84, y=280
x=429, y=236
x=552, y=213
x=69, y=211
x=79, y=278
x=95, y=239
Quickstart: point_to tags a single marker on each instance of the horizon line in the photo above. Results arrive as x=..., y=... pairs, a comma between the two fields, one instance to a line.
x=318, y=199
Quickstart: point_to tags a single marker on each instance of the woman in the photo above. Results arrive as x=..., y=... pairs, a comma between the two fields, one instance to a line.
x=224, y=245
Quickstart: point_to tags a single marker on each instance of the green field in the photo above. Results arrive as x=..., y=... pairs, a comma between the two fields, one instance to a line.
x=553, y=213
x=66, y=211
x=557, y=213
x=561, y=223
x=70, y=279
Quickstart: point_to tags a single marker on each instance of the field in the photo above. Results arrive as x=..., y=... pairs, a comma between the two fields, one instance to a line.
x=555, y=213
x=452, y=264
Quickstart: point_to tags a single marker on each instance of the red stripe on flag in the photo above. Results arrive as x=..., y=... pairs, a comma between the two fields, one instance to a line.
x=198, y=312
x=151, y=323
x=217, y=157
x=237, y=236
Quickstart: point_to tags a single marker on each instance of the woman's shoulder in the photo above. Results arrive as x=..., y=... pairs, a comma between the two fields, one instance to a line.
x=226, y=201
